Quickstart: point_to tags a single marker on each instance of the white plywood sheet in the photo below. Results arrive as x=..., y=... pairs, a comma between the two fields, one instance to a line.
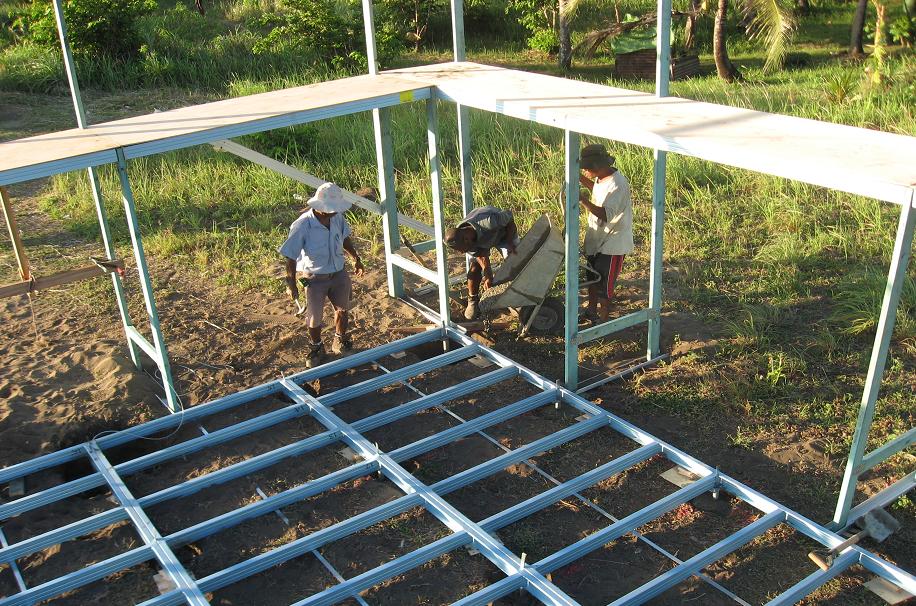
x=856, y=160
x=193, y=125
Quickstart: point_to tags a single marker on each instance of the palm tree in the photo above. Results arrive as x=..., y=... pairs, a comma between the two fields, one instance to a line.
x=770, y=21
x=856, y=49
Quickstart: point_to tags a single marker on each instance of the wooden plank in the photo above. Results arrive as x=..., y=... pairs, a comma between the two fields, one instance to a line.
x=15, y=237
x=845, y=158
x=58, y=279
x=95, y=143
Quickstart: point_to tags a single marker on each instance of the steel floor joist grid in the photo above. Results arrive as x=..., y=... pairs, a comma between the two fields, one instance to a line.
x=517, y=574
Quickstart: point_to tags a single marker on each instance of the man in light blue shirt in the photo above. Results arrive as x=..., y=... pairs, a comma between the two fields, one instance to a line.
x=315, y=248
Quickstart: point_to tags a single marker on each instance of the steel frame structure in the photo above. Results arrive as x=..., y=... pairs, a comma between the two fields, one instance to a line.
x=859, y=461
x=463, y=531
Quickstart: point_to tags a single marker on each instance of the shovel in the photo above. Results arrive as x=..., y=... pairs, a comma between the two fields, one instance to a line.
x=877, y=524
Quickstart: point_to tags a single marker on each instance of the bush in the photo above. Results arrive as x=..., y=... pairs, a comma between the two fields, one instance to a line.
x=545, y=40
x=94, y=27
x=329, y=31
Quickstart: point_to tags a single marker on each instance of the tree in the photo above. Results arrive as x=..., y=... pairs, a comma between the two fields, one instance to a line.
x=857, y=32
x=565, y=36
x=724, y=66
x=769, y=21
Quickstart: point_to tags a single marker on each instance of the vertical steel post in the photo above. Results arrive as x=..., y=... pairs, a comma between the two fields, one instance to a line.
x=895, y=278
x=384, y=155
x=369, y=26
x=464, y=118
x=94, y=181
x=130, y=212
x=571, y=374
x=660, y=164
x=384, y=158
x=435, y=175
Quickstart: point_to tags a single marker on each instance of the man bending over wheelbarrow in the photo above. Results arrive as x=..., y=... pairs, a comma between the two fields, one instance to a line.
x=609, y=234
x=482, y=229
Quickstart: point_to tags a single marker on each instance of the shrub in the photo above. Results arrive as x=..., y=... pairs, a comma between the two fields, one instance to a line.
x=544, y=40
x=329, y=31
x=94, y=27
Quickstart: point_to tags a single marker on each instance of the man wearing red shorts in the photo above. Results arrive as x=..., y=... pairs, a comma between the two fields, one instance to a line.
x=315, y=248
x=609, y=232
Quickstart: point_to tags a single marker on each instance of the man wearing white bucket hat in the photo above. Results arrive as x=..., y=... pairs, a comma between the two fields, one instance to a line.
x=315, y=248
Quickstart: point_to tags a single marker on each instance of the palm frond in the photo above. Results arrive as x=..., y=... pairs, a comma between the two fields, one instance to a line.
x=595, y=38
x=771, y=22
x=568, y=8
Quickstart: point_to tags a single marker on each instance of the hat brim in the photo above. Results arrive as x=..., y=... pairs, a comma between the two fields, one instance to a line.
x=337, y=205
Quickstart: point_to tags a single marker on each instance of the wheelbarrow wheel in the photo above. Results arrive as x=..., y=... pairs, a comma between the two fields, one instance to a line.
x=550, y=315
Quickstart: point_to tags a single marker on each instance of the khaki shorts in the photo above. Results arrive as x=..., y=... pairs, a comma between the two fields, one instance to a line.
x=336, y=287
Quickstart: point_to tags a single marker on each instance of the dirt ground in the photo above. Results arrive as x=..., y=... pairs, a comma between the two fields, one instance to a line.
x=65, y=377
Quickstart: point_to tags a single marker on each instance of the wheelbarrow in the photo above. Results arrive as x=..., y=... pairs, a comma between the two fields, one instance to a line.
x=521, y=283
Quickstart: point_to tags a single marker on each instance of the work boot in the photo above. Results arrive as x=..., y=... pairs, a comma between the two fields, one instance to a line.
x=315, y=356
x=473, y=309
x=342, y=344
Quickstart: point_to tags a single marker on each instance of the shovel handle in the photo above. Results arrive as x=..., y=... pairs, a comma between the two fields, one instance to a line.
x=821, y=562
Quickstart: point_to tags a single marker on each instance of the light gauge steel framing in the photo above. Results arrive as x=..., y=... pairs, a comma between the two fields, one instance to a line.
x=533, y=577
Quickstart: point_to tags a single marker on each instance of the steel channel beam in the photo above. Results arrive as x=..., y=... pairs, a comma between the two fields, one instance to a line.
x=388, y=203
x=330, y=568
x=568, y=488
x=277, y=501
x=370, y=385
x=488, y=595
x=571, y=326
x=889, y=449
x=147, y=531
x=146, y=286
x=467, y=428
x=79, y=578
x=135, y=337
x=628, y=524
x=294, y=549
x=435, y=504
x=598, y=509
x=527, y=451
x=661, y=584
x=57, y=536
x=413, y=267
x=896, y=276
x=883, y=498
x=241, y=468
x=215, y=438
x=435, y=177
x=50, y=495
x=752, y=497
x=20, y=582
x=813, y=581
x=435, y=399
x=882, y=568
x=615, y=325
x=223, y=475
x=400, y=565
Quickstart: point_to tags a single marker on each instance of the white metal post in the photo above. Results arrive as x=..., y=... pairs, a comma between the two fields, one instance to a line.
x=656, y=269
x=571, y=374
x=94, y=182
x=464, y=118
x=384, y=157
x=133, y=224
x=895, y=279
x=435, y=175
